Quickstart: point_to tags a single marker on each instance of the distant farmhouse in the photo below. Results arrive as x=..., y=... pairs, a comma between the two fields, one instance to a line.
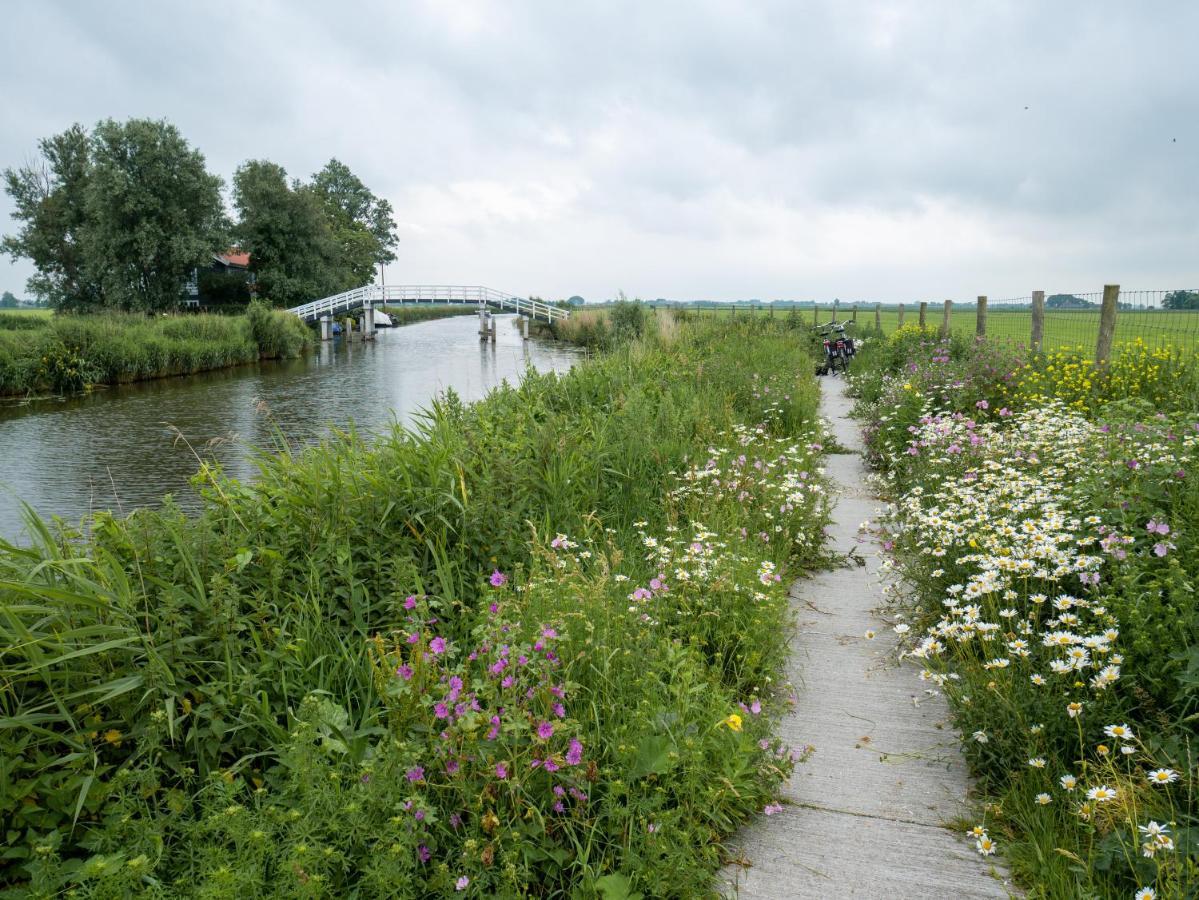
x=226, y=279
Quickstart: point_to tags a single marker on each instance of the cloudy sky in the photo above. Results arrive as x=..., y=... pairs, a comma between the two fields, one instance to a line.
x=867, y=150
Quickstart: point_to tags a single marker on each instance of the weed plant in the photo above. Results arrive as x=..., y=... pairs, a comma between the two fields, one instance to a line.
x=529, y=647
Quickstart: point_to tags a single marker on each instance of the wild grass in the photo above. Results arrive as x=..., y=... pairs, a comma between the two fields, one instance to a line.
x=66, y=353
x=303, y=690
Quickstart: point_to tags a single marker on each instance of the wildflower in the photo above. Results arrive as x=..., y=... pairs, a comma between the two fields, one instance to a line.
x=771, y=808
x=501, y=770
x=1037, y=762
x=1037, y=679
x=733, y=721
x=545, y=731
x=409, y=602
x=755, y=707
x=461, y=883
x=1102, y=794
x=1163, y=776
x=415, y=774
x=498, y=579
x=441, y=711
x=1145, y=893
x=1044, y=799
x=437, y=645
x=980, y=737
x=1068, y=782
x=902, y=628
x=869, y=635
x=985, y=846
x=405, y=672
x=574, y=755
x=1073, y=710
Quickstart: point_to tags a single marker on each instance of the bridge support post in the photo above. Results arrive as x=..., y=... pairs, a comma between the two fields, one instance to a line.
x=368, y=321
x=524, y=327
x=326, y=328
x=482, y=324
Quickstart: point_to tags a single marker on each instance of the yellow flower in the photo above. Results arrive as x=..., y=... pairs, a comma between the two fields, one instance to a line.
x=113, y=736
x=733, y=721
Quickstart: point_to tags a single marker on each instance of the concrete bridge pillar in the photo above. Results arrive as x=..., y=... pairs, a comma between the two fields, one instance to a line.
x=493, y=324
x=326, y=328
x=368, y=321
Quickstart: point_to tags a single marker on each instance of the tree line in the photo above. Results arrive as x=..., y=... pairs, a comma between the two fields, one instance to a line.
x=119, y=217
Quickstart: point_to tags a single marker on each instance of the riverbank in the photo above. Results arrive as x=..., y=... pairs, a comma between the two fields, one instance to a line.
x=534, y=643
x=67, y=353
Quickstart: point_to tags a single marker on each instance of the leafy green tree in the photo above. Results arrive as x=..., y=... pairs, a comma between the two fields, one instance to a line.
x=361, y=223
x=284, y=229
x=50, y=200
x=8, y=301
x=117, y=218
x=1181, y=300
x=154, y=213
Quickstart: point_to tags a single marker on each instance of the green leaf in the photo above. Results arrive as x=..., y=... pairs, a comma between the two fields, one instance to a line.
x=653, y=757
x=616, y=887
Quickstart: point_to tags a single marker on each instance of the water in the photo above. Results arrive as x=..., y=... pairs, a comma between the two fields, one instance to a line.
x=115, y=448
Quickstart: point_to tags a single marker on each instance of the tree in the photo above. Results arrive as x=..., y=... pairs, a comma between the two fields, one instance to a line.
x=576, y=300
x=361, y=223
x=117, y=218
x=284, y=229
x=154, y=213
x=1181, y=300
x=8, y=301
x=50, y=199
x=1066, y=301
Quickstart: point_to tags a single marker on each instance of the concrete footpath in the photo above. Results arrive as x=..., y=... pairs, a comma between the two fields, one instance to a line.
x=868, y=814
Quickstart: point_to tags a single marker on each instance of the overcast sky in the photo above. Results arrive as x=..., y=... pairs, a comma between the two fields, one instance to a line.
x=865, y=150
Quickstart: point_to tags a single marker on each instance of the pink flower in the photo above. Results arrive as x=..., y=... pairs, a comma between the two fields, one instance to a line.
x=409, y=602
x=574, y=755
x=451, y=766
x=422, y=853
x=493, y=608
x=772, y=808
x=559, y=710
x=755, y=707
x=437, y=645
x=501, y=770
x=983, y=404
x=405, y=672
x=414, y=638
x=461, y=883
x=548, y=633
x=441, y=711
x=415, y=774
x=545, y=731
x=498, y=578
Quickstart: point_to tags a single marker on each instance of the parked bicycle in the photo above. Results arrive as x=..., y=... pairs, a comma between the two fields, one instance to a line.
x=838, y=347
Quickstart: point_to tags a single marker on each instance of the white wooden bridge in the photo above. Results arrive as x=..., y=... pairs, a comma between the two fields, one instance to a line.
x=373, y=295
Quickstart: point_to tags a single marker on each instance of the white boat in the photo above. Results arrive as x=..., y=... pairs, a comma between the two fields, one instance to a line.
x=383, y=320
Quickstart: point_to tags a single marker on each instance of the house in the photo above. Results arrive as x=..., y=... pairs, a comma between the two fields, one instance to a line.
x=226, y=279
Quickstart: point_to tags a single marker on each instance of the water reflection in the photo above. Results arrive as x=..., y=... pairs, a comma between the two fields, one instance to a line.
x=121, y=448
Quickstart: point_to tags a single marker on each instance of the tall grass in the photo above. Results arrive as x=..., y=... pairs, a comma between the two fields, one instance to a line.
x=218, y=705
x=68, y=353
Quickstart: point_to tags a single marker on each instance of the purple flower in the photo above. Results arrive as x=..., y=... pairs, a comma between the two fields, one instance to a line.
x=1155, y=527
x=419, y=815
x=501, y=770
x=559, y=808
x=498, y=578
x=548, y=633
x=550, y=765
x=451, y=766
x=983, y=404
x=1161, y=548
x=493, y=608
x=414, y=638
x=415, y=774
x=441, y=711
x=422, y=853
x=755, y=707
x=437, y=645
x=574, y=755
x=461, y=883
x=772, y=808
x=559, y=710
x=405, y=672
x=409, y=602
x=545, y=731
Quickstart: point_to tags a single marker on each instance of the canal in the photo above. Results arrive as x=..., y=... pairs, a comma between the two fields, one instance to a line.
x=118, y=448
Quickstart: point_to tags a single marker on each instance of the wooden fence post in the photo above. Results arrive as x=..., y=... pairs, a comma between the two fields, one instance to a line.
x=945, y=320
x=878, y=317
x=900, y=324
x=1107, y=323
x=1038, y=321
x=854, y=317
x=923, y=313
x=836, y=302
x=980, y=327
x=815, y=313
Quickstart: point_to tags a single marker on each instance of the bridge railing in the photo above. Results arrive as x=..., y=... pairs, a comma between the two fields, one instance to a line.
x=427, y=293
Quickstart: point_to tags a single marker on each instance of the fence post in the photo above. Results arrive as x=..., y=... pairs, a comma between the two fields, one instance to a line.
x=835, y=302
x=878, y=317
x=1038, y=320
x=945, y=320
x=900, y=324
x=923, y=313
x=855, y=313
x=1107, y=323
x=815, y=313
x=980, y=327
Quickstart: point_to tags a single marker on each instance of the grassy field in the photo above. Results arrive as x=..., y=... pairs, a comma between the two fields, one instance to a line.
x=1063, y=328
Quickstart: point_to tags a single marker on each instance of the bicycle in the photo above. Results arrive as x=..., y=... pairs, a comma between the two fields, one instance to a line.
x=838, y=347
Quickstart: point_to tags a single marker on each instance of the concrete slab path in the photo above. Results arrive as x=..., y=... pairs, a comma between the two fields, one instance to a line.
x=867, y=815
